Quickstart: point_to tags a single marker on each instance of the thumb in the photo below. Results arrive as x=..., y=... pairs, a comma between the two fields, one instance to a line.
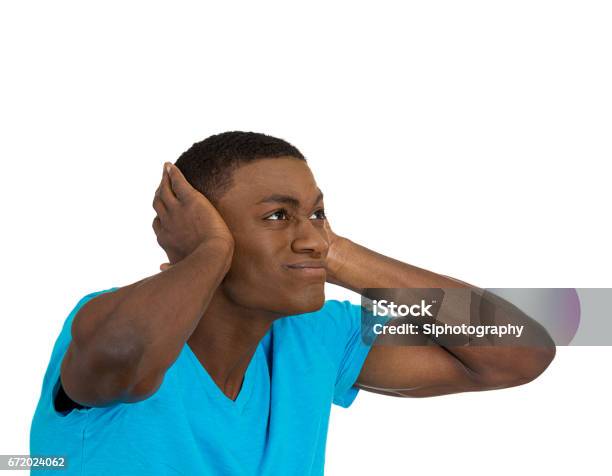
x=165, y=266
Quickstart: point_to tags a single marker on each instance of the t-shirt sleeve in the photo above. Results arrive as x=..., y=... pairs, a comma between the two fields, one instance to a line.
x=51, y=380
x=343, y=338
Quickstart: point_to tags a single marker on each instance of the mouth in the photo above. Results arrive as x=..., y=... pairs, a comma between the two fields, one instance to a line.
x=315, y=269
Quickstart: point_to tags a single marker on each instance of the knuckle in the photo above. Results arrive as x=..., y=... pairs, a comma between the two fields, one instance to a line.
x=170, y=202
x=162, y=240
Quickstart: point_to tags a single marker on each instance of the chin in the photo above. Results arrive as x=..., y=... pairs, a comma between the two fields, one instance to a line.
x=279, y=299
x=310, y=302
x=301, y=301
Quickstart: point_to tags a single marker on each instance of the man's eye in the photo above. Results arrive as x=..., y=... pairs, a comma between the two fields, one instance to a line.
x=319, y=215
x=278, y=215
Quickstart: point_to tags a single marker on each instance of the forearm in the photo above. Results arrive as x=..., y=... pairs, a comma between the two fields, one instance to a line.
x=362, y=270
x=357, y=268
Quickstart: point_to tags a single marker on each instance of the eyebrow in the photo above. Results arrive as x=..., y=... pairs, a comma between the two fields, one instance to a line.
x=288, y=199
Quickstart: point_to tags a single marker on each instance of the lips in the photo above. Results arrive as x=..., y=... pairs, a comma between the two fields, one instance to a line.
x=308, y=268
x=307, y=264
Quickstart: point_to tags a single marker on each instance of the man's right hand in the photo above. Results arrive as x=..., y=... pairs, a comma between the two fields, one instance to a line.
x=185, y=217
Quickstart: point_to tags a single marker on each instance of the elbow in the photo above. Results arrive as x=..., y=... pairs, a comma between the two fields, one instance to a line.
x=105, y=364
x=522, y=365
x=102, y=348
x=539, y=361
x=125, y=377
x=111, y=354
x=99, y=376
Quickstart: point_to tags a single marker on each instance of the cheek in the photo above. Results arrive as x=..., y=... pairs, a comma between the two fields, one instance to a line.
x=255, y=266
x=256, y=278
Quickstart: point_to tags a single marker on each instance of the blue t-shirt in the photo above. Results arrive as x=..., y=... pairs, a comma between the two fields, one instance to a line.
x=276, y=426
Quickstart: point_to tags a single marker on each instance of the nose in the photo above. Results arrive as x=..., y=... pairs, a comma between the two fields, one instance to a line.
x=310, y=238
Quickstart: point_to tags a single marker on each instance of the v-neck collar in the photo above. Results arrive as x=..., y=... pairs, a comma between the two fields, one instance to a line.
x=247, y=383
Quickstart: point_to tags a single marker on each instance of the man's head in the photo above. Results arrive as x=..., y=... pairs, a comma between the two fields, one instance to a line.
x=209, y=165
x=267, y=195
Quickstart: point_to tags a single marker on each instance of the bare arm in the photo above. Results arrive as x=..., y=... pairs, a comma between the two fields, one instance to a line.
x=428, y=367
x=124, y=341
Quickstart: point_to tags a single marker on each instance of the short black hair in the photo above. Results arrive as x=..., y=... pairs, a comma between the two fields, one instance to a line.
x=208, y=165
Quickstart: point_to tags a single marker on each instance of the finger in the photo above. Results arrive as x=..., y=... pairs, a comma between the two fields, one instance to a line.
x=181, y=188
x=159, y=206
x=157, y=228
x=165, y=266
x=165, y=189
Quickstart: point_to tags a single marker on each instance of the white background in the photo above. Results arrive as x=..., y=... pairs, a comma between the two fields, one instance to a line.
x=470, y=138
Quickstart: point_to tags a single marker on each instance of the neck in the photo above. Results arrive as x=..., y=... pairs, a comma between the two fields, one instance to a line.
x=225, y=340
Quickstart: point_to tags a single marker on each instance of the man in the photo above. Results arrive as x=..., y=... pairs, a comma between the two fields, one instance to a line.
x=228, y=361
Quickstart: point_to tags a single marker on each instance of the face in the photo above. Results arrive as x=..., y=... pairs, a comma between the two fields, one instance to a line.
x=274, y=210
